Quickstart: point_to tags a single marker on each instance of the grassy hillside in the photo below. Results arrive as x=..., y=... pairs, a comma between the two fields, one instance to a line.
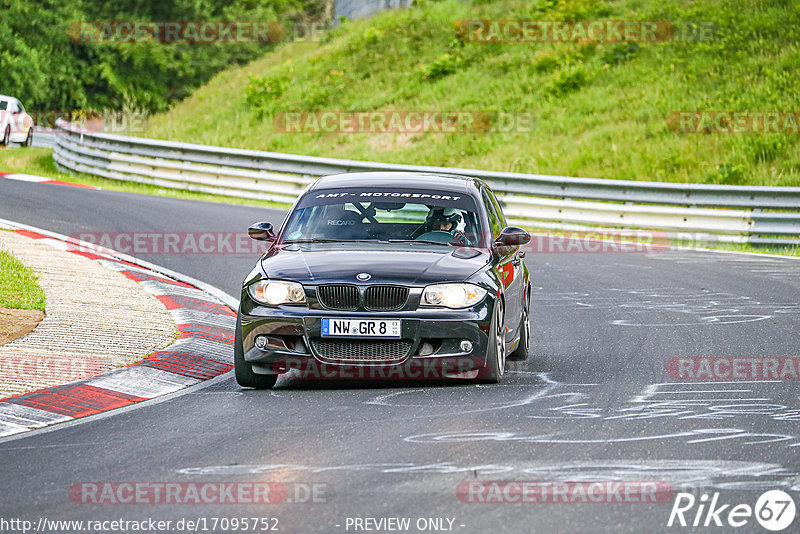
x=600, y=109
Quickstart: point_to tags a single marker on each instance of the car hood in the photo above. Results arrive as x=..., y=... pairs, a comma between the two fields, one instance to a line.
x=394, y=265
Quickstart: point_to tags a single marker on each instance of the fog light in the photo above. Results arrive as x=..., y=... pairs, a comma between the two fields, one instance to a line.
x=261, y=342
x=466, y=346
x=426, y=349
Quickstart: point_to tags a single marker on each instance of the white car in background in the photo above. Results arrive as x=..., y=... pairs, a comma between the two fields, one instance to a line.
x=16, y=126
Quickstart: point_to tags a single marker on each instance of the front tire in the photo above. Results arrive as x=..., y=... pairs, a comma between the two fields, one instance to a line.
x=243, y=370
x=496, y=353
x=29, y=140
x=6, y=137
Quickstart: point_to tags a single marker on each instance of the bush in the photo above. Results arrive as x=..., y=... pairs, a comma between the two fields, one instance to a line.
x=48, y=67
x=620, y=53
x=728, y=174
x=444, y=65
x=263, y=93
x=544, y=62
x=567, y=80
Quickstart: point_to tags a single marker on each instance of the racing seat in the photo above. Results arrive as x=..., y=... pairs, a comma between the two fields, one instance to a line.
x=341, y=223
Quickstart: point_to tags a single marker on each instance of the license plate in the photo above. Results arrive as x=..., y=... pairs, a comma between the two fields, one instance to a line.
x=361, y=327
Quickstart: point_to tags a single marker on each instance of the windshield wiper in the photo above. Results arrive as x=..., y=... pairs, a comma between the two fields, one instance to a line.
x=419, y=241
x=293, y=241
x=303, y=241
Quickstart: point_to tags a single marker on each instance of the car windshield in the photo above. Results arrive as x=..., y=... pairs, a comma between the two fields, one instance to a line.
x=417, y=216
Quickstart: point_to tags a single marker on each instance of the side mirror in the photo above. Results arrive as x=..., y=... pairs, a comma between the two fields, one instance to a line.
x=262, y=231
x=512, y=236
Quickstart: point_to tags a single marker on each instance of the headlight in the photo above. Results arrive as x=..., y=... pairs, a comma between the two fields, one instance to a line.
x=452, y=295
x=275, y=292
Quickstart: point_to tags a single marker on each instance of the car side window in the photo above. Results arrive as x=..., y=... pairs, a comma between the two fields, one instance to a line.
x=491, y=211
x=3, y=105
x=498, y=209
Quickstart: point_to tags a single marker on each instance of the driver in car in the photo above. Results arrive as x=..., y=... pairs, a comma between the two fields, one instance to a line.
x=447, y=220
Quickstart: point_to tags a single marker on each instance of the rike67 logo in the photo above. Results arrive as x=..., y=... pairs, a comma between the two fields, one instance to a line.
x=774, y=510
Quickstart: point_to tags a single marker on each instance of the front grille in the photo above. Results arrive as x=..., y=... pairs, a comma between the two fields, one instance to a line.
x=385, y=298
x=376, y=298
x=338, y=296
x=369, y=350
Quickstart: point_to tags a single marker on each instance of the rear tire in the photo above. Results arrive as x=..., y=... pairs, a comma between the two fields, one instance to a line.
x=496, y=352
x=243, y=370
x=524, y=347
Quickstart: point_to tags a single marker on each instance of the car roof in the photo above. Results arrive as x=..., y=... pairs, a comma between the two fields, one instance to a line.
x=411, y=180
x=4, y=97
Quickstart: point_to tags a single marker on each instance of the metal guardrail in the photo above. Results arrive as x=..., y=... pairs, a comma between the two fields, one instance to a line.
x=691, y=212
x=353, y=9
x=44, y=140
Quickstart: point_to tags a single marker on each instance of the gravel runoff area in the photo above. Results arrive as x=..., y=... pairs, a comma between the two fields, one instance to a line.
x=95, y=320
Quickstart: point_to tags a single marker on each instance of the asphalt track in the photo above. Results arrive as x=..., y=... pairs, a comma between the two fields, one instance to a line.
x=40, y=140
x=594, y=401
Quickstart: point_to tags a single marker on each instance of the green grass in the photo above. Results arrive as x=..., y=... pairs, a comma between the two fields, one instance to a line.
x=39, y=162
x=600, y=109
x=36, y=161
x=18, y=287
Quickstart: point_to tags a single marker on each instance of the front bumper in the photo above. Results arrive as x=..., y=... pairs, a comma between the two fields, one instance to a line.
x=432, y=336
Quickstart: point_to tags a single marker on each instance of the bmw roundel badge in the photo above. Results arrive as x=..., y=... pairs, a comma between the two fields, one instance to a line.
x=363, y=277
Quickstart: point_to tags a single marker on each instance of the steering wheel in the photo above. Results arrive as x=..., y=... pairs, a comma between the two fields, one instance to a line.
x=440, y=236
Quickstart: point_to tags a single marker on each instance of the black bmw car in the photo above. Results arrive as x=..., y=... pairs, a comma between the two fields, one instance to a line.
x=386, y=275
